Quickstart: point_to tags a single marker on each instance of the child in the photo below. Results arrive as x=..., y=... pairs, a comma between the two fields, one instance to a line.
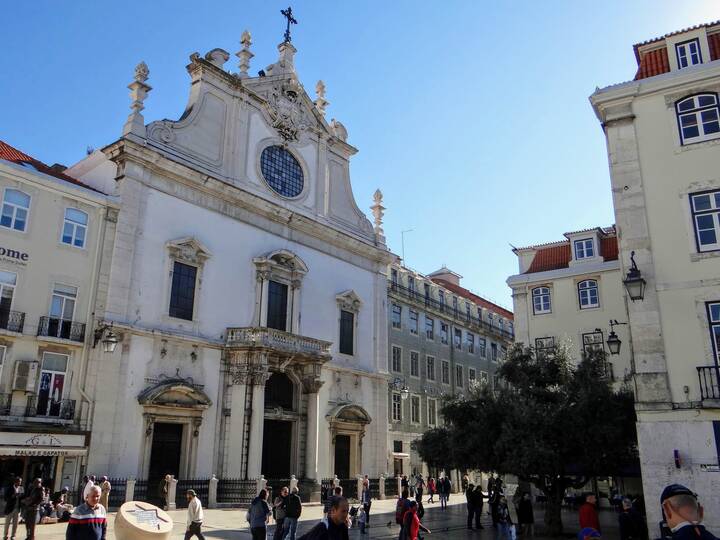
x=362, y=520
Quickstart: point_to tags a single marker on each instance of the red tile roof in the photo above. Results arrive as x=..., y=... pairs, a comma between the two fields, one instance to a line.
x=10, y=153
x=653, y=63
x=558, y=256
x=479, y=300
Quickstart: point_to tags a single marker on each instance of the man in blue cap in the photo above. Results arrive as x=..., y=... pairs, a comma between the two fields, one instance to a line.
x=683, y=514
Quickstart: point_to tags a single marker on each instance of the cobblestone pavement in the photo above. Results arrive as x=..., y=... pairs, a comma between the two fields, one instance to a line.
x=445, y=525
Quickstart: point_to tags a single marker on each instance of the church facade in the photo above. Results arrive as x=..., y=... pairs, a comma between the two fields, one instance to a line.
x=246, y=287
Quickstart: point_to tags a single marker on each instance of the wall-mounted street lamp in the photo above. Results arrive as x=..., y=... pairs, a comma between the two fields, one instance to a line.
x=613, y=341
x=634, y=282
x=105, y=335
x=399, y=385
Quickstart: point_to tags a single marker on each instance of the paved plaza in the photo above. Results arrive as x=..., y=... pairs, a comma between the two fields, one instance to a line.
x=449, y=524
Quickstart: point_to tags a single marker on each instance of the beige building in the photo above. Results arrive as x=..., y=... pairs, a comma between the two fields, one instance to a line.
x=51, y=231
x=566, y=293
x=662, y=134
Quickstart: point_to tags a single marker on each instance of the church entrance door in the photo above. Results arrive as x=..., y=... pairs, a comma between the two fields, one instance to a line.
x=342, y=456
x=277, y=449
x=165, y=453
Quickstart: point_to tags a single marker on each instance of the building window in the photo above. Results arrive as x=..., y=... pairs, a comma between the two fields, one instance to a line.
x=592, y=341
x=471, y=375
x=429, y=328
x=441, y=296
x=426, y=287
x=459, y=376
x=411, y=284
x=396, y=361
x=443, y=333
x=74, y=227
x=455, y=304
x=16, y=206
x=396, y=315
x=413, y=322
x=3, y=348
x=503, y=352
x=544, y=345
x=432, y=412
x=182, y=292
x=483, y=377
x=541, y=300
x=588, y=294
x=457, y=338
x=430, y=368
x=8, y=280
x=467, y=311
x=493, y=352
x=347, y=331
x=470, y=340
x=688, y=53
x=396, y=407
x=705, y=209
x=713, y=313
x=445, y=371
x=52, y=383
x=496, y=382
x=584, y=249
x=62, y=304
x=414, y=364
x=698, y=118
x=415, y=409
x=481, y=346
x=277, y=304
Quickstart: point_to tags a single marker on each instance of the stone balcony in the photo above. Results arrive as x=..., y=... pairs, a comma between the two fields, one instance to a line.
x=278, y=343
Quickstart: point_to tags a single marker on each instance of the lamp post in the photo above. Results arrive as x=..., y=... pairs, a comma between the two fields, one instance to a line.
x=613, y=341
x=399, y=384
x=634, y=282
x=108, y=338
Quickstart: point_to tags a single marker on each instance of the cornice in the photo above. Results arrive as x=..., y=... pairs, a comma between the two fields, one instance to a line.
x=551, y=275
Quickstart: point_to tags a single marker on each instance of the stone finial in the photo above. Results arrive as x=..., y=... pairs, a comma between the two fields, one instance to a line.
x=378, y=211
x=244, y=54
x=135, y=123
x=321, y=103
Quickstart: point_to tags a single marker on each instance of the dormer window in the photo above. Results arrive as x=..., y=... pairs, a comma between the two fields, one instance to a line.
x=698, y=118
x=688, y=53
x=584, y=249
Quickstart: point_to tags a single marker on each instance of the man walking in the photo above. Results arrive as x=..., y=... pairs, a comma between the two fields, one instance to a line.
x=293, y=509
x=13, y=495
x=588, y=513
x=470, y=502
x=194, y=516
x=279, y=513
x=105, y=492
x=444, y=491
x=31, y=504
x=478, y=504
x=89, y=520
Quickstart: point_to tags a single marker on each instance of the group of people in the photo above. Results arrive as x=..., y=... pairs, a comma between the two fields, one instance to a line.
x=104, y=485
x=416, y=486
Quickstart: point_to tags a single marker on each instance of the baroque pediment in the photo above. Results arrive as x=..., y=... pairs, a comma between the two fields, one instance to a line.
x=188, y=249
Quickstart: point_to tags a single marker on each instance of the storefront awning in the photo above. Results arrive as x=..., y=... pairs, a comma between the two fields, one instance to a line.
x=21, y=451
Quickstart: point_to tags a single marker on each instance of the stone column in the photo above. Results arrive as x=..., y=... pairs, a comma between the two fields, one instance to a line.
x=312, y=387
x=293, y=482
x=398, y=479
x=237, y=379
x=129, y=489
x=212, y=492
x=259, y=376
x=381, y=496
x=359, y=479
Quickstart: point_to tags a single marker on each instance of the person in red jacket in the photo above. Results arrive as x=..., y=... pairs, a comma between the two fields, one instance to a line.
x=411, y=526
x=588, y=513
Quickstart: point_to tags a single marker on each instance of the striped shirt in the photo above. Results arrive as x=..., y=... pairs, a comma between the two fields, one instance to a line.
x=87, y=523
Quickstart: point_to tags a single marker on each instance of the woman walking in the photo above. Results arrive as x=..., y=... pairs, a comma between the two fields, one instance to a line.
x=431, y=489
x=366, y=499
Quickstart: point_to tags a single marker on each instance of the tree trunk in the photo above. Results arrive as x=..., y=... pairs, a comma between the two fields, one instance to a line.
x=553, y=509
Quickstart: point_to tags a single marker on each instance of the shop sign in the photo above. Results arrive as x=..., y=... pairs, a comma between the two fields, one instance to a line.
x=43, y=440
x=710, y=468
x=14, y=256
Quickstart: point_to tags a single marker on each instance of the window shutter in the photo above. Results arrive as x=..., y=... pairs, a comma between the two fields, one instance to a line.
x=25, y=375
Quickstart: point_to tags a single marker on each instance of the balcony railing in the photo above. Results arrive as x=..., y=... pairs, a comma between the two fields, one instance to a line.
x=709, y=377
x=277, y=340
x=446, y=309
x=63, y=409
x=12, y=320
x=61, y=328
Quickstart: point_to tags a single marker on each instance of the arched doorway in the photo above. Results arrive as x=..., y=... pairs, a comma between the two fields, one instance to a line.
x=280, y=426
x=347, y=429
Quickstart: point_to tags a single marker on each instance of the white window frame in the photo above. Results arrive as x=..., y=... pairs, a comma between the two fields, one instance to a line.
x=685, y=54
x=64, y=297
x=396, y=407
x=593, y=341
x=430, y=332
x=53, y=373
x=415, y=398
x=15, y=207
x=482, y=346
x=584, y=248
x=445, y=369
x=414, y=321
x=713, y=212
x=432, y=411
x=459, y=376
x=392, y=359
x=470, y=340
x=76, y=226
x=695, y=115
x=415, y=355
x=446, y=338
x=457, y=340
x=541, y=300
x=429, y=372
x=585, y=288
x=713, y=318
x=397, y=308
x=484, y=379
x=472, y=375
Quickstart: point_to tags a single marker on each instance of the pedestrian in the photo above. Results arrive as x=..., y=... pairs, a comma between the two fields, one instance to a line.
x=13, y=496
x=419, y=488
x=444, y=488
x=526, y=518
x=366, y=499
x=470, y=503
x=412, y=526
x=478, y=503
x=279, y=512
x=293, y=509
x=588, y=513
x=465, y=482
x=336, y=492
x=403, y=503
x=494, y=502
x=362, y=520
x=88, y=521
x=684, y=514
x=404, y=483
x=31, y=504
x=431, y=489
x=504, y=521
x=194, y=516
x=334, y=526
x=90, y=483
x=105, y=488
x=164, y=489
x=632, y=525
x=259, y=515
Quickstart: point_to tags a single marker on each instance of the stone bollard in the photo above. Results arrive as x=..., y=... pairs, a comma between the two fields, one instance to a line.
x=293, y=482
x=172, y=489
x=381, y=487
x=260, y=484
x=129, y=489
x=212, y=492
x=399, y=484
x=336, y=481
x=359, y=487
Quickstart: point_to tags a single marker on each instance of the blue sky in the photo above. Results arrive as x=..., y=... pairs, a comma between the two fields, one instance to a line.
x=472, y=117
